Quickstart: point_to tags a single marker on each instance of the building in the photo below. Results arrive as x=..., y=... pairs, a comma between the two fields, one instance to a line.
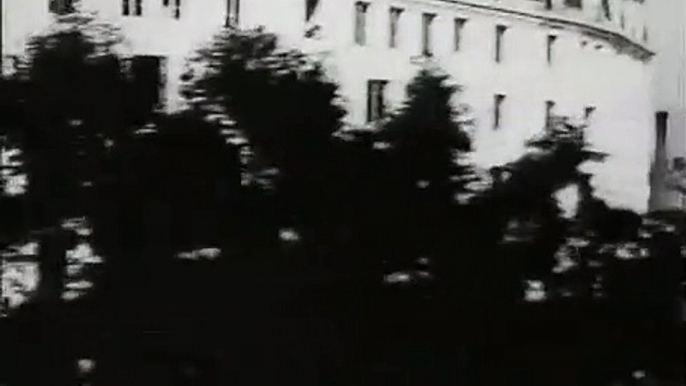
x=668, y=23
x=520, y=62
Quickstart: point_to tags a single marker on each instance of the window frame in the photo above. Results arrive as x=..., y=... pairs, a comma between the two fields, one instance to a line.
x=376, y=99
x=394, y=14
x=360, y=26
x=498, y=104
x=500, y=30
x=551, y=39
x=549, y=113
x=458, y=32
x=427, y=36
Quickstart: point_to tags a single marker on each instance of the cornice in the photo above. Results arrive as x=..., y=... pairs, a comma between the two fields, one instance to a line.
x=621, y=42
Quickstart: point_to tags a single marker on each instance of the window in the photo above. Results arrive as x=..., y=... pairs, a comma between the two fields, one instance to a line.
x=498, y=111
x=549, y=114
x=132, y=7
x=549, y=48
x=147, y=80
x=459, y=26
x=645, y=34
x=427, y=21
x=607, y=11
x=574, y=3
x=661, y=124
x=361, y=22
x=310, y=8
x=622, y=21
x=233, y=11
x=395, y=14
x=376, y=99
x=61, y=7
x=177, y=9
x=499, y=32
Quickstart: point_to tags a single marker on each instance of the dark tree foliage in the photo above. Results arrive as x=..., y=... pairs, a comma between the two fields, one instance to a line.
x=73, y=87
x=173, y=189
x=423, y=175
x=279, y=98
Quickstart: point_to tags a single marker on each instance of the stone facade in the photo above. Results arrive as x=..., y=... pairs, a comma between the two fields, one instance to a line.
x=553, y=60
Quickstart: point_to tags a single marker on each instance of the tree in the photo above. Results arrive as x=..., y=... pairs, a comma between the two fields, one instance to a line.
x=74, y=88
x=427, y=138
x=281, y=101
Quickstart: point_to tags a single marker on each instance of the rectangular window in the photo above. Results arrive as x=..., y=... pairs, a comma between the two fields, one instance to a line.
x=499, y=36
x=395, y=14
x=310, y=8
x=132, y=7
x=661, y=124
x=459, y=26
x=549, y=114
x=147, y=80
x=574, y=3
x=61, y=7
x=361, y=22
x=499, y=100
x=550, y=44
x=607, y=9
x=376, y=107
x=427, y=22
x=233, y=11
x=177, y=9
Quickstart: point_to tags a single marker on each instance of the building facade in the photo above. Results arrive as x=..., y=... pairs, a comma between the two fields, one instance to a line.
x=519, y=62
x=668, y=23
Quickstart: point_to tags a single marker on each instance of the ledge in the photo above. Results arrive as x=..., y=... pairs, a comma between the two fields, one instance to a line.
x=619, y=40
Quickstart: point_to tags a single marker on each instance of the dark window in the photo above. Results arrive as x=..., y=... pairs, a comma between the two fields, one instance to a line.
x=499, y=100
x=361, y=22
x=310, y=8
x=548, y=4
x=233, y=11
x=574, y=3
x=499, y=35
x=61, y=7
x=132, y=7
x=147, y=80
x=177, y=9
x=607, y=10
x=661, y=125
x=549, y=48
x=427, y=22
x=376, y=107
x=549, y=113
x=459, y=26
x=165, y=3
x=394, y=25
